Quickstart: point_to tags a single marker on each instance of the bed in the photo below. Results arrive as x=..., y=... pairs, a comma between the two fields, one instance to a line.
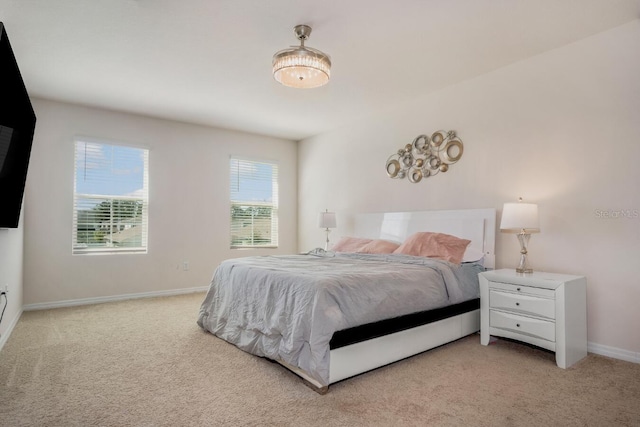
x=327, y=316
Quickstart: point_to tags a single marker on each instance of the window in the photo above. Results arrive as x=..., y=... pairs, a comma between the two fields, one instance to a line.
x=110, y=199
x=254, y=204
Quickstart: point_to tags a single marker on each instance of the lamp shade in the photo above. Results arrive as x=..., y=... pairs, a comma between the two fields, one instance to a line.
x=520, y=216
x=327, y=219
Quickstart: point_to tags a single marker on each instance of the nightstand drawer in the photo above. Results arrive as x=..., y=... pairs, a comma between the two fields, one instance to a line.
x=525, y=304
x=523, y=325
x=520, y=289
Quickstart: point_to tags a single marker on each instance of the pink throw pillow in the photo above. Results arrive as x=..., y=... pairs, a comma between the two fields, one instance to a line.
x=434, y=245
x=379, y=247
x=350, y=244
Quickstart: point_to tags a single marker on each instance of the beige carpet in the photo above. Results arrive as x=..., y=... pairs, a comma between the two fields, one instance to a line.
x=147, y=363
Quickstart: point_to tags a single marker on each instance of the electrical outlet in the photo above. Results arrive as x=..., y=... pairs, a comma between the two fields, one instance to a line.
x=185, y=265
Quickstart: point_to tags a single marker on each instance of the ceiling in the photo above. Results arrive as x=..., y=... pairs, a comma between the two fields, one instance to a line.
x=209, y=61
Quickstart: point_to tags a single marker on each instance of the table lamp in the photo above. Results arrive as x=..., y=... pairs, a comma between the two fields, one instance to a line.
x=327, y=220
x=521, y=218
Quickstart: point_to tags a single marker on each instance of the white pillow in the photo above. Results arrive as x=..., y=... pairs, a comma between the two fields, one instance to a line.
x=472, y=255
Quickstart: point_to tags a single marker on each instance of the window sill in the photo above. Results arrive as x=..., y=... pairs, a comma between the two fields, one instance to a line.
x=109, y=251
x=252, y=247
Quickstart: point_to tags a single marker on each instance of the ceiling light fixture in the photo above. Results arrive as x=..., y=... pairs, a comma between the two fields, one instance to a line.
x=300, y=66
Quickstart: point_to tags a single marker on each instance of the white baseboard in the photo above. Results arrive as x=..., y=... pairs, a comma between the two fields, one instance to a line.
x=5, y=336
x=616, y=353
x=99, y=300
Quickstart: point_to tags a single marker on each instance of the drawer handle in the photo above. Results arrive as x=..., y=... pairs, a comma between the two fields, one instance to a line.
x=518, y=289
x=518, y=325
x=518, y=304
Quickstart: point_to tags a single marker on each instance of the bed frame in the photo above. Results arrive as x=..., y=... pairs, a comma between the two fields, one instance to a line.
x=477, y=225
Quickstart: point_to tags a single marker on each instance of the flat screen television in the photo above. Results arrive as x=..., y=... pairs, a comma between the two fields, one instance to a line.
x=17, y=124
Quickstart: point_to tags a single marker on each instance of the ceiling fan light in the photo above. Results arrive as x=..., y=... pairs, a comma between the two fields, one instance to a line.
x=300, y=66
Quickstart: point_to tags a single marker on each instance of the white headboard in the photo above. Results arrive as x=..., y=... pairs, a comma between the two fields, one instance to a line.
x=477, y=225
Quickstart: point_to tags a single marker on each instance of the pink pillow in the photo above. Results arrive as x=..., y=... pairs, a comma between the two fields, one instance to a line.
x=434, y=245
x=379, y=247
x=350, y=244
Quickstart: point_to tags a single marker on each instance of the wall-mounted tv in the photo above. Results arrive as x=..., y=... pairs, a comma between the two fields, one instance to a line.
x=17, y=123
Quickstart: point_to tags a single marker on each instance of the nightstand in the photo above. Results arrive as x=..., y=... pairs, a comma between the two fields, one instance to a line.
x=544, y=309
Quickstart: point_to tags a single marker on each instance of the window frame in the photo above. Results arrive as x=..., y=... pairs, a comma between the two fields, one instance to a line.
x=274, y=204
x=76, y=248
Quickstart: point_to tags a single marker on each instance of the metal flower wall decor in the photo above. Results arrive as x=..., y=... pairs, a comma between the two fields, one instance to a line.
x=425, y=156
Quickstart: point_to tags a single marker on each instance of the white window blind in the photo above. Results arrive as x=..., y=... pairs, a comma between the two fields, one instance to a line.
x=254, y=203
x=110, y=203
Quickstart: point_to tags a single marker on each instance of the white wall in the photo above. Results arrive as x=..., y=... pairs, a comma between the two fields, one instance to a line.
x=561, y=129
x=188, y=207
x=11, y=253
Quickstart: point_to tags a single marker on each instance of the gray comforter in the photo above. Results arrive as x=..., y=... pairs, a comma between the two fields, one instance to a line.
x=288, y=307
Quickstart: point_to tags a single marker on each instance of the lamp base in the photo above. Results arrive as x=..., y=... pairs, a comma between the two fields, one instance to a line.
x=523, y=266
x=326, y=244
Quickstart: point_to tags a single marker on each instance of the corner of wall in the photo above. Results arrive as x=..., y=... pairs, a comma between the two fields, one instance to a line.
x=11, y=274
